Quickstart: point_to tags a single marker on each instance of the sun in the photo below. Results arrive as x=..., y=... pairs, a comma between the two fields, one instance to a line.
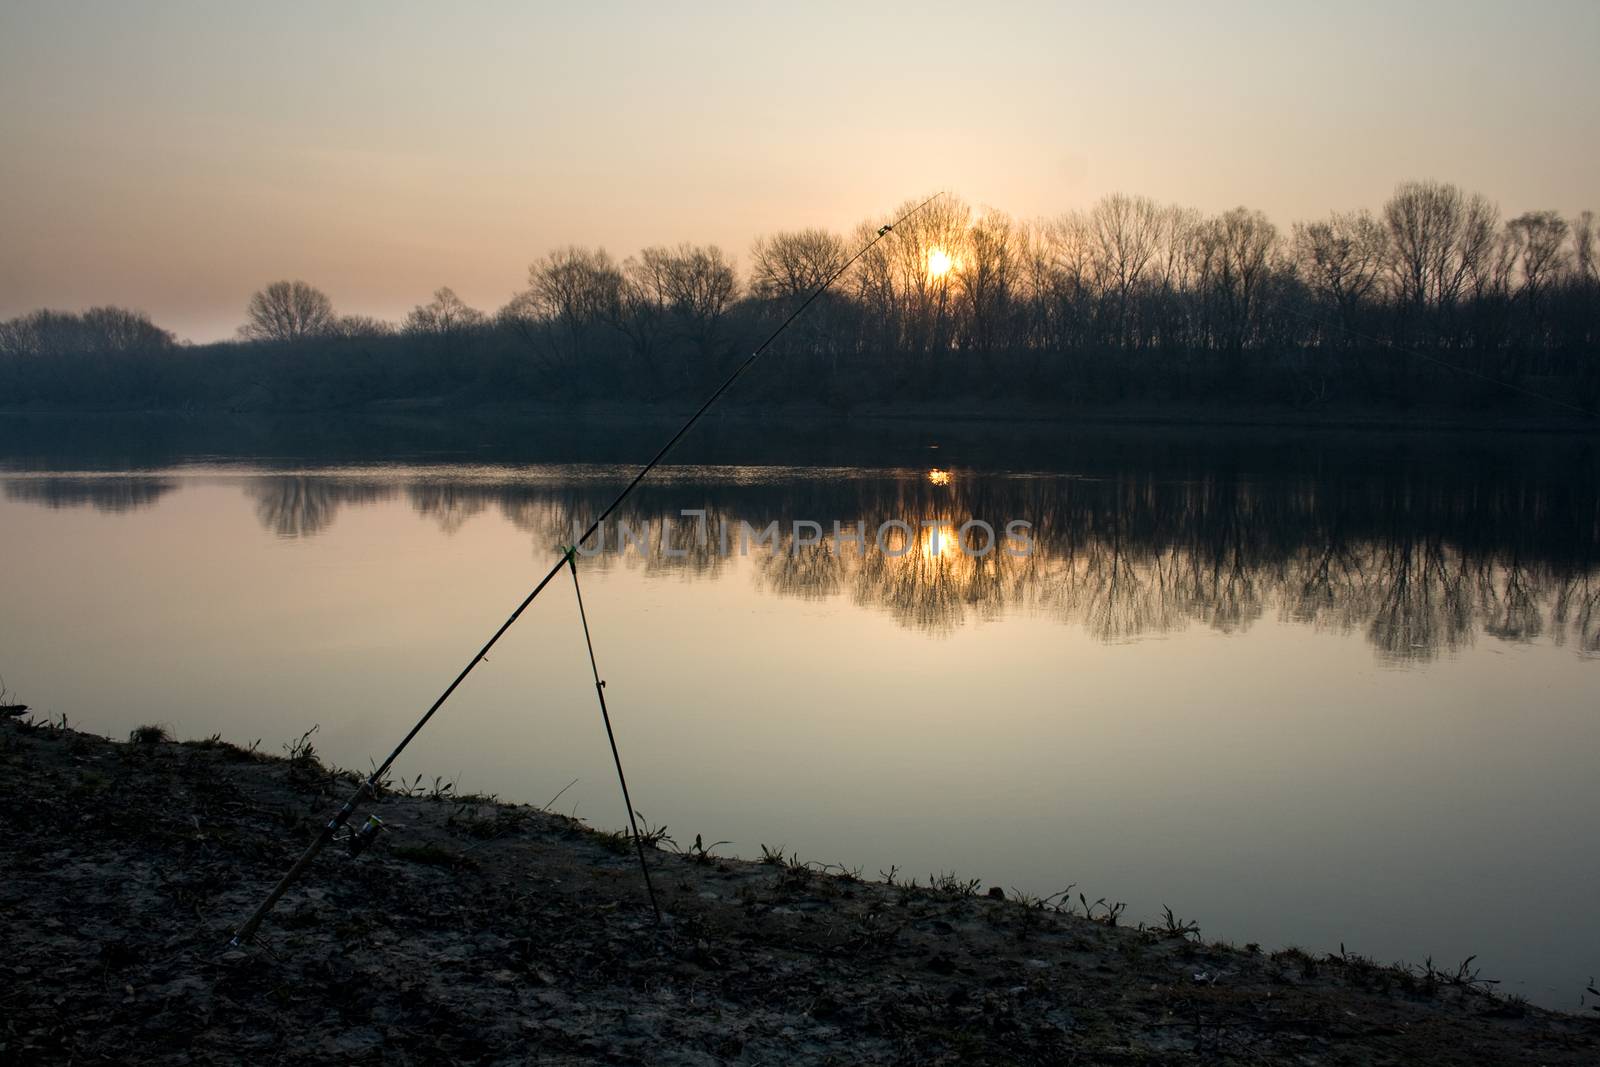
x=939, y=263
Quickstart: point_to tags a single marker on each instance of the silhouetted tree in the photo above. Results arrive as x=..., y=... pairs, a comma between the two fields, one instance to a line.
x=1440, y=239
x=446, y=316
x=1125, y=232
x=573, y=294
x=1342, y=260
x=361, y=326
x=696, y=283
x=100, y=330
x=288, y=311
x=985, y=277
x=793, y=263
x=1237, y=252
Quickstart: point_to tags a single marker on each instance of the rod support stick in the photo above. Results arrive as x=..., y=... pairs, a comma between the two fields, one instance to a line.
x=605, y=716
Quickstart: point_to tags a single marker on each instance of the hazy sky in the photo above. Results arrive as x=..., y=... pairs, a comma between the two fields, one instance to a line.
x=174, y=157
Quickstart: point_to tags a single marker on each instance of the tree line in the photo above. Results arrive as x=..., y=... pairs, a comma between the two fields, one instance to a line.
x=1435, y=299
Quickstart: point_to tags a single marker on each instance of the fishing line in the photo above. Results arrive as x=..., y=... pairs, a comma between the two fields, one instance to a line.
x=369, y=787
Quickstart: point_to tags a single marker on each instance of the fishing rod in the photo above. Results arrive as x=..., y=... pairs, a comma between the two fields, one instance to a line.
x=369, y=787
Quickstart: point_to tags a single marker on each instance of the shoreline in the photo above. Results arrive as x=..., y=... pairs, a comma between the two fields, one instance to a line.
x=1418, y=421
x=480, y=931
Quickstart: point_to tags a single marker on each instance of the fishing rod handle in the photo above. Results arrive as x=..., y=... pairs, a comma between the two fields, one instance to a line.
x=248, y=929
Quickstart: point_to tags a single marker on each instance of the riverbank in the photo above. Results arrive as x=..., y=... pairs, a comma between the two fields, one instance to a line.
x=480, y=932
x=1526, y=418
x=1093, y=445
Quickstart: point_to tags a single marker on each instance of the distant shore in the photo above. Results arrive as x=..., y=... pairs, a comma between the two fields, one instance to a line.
x=1443, y=419
x=485, y=932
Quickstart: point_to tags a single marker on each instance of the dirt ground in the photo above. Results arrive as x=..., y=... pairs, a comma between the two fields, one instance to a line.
x=475, y=932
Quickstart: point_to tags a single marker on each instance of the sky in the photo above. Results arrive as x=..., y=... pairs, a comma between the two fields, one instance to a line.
x=174, y=157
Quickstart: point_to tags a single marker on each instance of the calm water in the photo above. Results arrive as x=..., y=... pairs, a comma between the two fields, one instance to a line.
x=1304, y=689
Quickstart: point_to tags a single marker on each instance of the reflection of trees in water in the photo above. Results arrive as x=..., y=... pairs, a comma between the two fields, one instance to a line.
x=1576, y=613
x=448, y=503
x=1417, y=567
x=1417, y=570
x=557, y=517
x=301, y=506
x=931, y=588
x=1419, y=597
x=103, y=494
x=810, y=573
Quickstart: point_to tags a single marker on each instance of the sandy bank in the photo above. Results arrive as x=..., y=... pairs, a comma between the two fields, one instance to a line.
x=476, y=932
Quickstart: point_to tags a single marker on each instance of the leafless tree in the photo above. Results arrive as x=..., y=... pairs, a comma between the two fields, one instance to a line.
x=1539, y=239
x=793, y=263
x=572, y=293
x=1177, y=261
x=100, y=331
x=908, y=300
x=1125, y=232
x=692, y=284
x=114, y=329
x=1341, y=258
x=288, y=311
x=577, y=287
x=1583, y=257
x=985, y=277
x=1439, y=237
x=1238, y=250
x=361, y=326
x=1035, y=285
x=446, y=316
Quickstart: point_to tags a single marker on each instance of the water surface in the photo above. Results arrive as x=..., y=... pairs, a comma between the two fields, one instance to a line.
x=1305, y=689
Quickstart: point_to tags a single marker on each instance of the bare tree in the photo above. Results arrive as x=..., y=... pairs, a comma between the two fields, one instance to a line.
x=1125, y=232
x=1074, y=290
x=1539, y=238
x=1342, y=258
x=100, y=330
x=572, y=293
x=985, y=277
x=446, y=316
x=907, y=282
x=361, y=326
x=114, y=329
x=1036, y=281
x=1175, y=275
x=1583, y=257
x=794, y=262
x=577, y=287
x=693, y=284
x=1176, y=259
x=1439, y=237
x=288, y=311
x=1239, y=247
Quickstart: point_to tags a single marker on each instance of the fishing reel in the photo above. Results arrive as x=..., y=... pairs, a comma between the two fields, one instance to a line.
x=358, y=841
